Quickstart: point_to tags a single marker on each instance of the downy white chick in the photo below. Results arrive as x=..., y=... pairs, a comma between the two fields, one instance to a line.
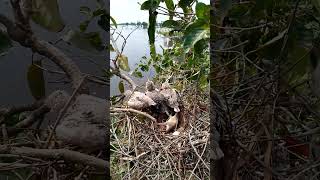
x=171, y=123
x=153, y=93
x=171, y=96
x=138, y=100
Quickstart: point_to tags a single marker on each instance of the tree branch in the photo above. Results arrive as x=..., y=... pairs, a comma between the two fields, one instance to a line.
x=26, y=39
x=133, y=111
x=64, y=154
x=29, y=120
x=118, y=73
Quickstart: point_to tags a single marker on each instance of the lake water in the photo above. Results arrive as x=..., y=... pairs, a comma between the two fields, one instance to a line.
x=14, y=65
x=136, y=47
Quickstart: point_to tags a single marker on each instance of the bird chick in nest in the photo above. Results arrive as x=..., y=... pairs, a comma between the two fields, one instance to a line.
x=171, y=123
x=150, y=86
x=153, y=93
x=138, y=100
x=170, y=95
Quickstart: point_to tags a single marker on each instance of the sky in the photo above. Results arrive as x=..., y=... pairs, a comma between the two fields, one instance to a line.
x=129, y=11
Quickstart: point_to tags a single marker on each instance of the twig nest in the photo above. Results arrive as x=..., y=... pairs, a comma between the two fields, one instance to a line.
x=138, y=100
x=85, y=123
x=171, y=96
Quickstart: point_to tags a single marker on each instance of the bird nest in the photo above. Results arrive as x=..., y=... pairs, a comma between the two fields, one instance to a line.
x=141, y=150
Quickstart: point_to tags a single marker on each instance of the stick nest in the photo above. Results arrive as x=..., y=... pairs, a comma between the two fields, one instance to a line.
x=141, y=150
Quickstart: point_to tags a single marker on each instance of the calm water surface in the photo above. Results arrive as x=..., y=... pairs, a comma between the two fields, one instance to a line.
x=136, y=47
x=13, y=66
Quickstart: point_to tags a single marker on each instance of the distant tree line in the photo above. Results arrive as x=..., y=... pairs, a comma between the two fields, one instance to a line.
x=138, y=23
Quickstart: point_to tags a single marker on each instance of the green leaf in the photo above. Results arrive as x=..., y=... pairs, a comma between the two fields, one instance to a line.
x=137, y=74
x=200, y=47
x=84, y=25
x=152, y=30
x=202, y=11
x=5, y=42
x=46, y=14
x=170, y=24
x=90, y=41
x=99, y=12
x=195, y=32
x=144, y=67
x=85, y=10
x=123, y=63
x=170, y=6
x=113, y=21
x=121, y=87
x=150, y=5
x=185, y=3
x=36, y=80
x=153, y=52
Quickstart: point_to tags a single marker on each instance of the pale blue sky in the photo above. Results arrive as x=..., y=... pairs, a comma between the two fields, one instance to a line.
x=129, y=11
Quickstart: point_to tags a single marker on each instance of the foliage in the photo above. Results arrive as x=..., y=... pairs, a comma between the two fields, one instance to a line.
x=36, y=80
x=188, y=60
x=47, y=15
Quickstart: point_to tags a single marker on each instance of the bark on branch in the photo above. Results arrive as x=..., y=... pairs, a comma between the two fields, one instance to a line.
x=64, y=154
x=118, y=73
x=21, y=34
x=133, y=111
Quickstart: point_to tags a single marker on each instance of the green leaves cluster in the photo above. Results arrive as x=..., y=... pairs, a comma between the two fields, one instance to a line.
x=47, y=14
x=189, y=56
x=36, y=81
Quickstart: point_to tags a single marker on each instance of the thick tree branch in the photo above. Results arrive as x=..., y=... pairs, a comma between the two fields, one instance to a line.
x=26, y=39
x=59, y=58
x=14, y=110
x=64, y=154
x=133, y=111
x=29, y=120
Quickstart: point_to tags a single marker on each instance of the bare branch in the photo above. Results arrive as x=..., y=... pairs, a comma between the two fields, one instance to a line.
x=64, y=154
x=118, y=73
x=133, y=111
